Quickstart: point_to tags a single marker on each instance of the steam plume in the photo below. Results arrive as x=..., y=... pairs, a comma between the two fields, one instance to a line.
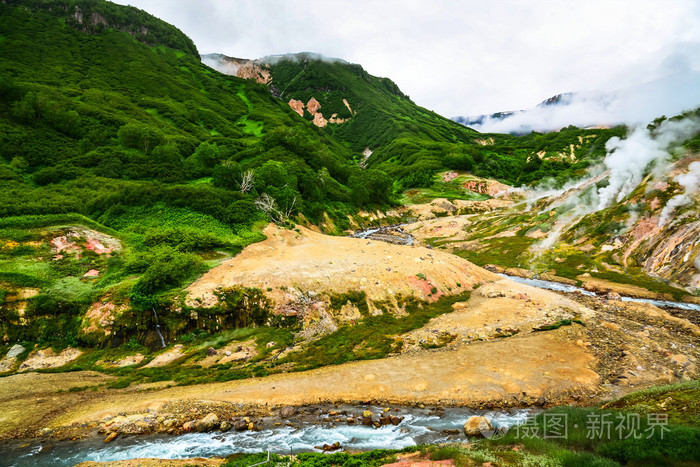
x=629, y=158
x=626, y=163
x=690, y=182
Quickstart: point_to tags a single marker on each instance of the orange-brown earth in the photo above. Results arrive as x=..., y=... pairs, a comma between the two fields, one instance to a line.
x=298, y=269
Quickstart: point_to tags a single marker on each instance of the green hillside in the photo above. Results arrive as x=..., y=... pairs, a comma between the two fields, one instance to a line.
x=114, y=125
x=411, y=143
x=379, y=112
x=102, y=112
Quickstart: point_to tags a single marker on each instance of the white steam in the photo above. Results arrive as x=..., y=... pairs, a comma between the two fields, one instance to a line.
x=626, y=163
x=629, y=158
x=690, y=182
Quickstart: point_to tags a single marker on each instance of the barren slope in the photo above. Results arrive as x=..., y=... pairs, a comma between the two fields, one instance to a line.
x=292, y=263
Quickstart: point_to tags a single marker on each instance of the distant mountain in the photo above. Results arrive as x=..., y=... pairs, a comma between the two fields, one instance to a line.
x=638, y=104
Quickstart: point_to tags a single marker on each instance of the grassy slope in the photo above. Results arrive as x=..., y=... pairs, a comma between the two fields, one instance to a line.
x=133, y=136
x=409, y=139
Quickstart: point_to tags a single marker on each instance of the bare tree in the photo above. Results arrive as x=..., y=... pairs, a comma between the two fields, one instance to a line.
x=269, y=206
x=247, y=180
x=289, y=209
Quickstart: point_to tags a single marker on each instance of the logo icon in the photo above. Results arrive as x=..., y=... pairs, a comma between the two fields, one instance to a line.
x=491, y=428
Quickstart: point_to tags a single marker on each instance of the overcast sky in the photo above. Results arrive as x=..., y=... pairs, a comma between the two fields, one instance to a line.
x=460, y=57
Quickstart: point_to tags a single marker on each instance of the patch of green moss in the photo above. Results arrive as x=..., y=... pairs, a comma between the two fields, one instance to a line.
x=680, y=401
x=357, y=298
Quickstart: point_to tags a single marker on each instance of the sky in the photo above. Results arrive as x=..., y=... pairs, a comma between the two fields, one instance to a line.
x=461, y=57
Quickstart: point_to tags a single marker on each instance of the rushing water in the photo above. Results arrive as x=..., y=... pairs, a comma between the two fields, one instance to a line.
x=572, y=288
x=390, y=233
x=416, y=428
x=162, y=341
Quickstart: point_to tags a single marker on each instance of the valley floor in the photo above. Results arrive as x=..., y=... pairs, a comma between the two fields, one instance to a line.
x=572, y=364
x=507, y=345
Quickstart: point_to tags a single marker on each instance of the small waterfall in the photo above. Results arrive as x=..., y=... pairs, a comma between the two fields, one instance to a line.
x=155, y=315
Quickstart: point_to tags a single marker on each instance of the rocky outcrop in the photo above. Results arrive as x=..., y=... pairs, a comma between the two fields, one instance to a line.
x=313, y=107
x=345, y=101
x=319, y=120
x=47, y=358
x=78, y=239
x=674, y=255
x=488, y=187
x=297, y=106
x=8, y=361
x=241, y=67
x=100, y=317
x=166, y=357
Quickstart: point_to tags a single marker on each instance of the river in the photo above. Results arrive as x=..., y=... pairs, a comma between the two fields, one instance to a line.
x=556, y=286
x=417, y=427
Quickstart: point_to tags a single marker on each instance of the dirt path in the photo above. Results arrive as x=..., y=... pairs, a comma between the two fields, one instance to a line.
x=491, y=371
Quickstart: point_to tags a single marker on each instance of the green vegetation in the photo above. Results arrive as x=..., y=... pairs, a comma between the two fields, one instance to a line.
x=681, y=401
x=373, y=337
x=506, y=252
x=624, y=438
x=112, y=131
x=436, y=187
x=114, y=125
x=411, y=143
x=369, y=459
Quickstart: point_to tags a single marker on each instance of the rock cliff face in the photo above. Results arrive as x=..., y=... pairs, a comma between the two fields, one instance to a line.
x=672, y=253
x=313, y=107
x=241, y=67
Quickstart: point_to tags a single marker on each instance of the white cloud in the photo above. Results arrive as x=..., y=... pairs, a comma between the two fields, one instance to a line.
x=455, y=57
x=634, y=105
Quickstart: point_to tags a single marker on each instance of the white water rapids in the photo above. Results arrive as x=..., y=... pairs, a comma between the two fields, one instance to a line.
x=416, y=428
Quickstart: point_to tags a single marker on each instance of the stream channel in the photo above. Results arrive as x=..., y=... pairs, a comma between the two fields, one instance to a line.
x=418, y=426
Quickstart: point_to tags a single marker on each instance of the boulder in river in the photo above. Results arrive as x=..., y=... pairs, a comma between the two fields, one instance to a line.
x=329, y=447
x=208, y=423
x=240, y=425
x=613, y=296
x=288, y=411
x=477, y=426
